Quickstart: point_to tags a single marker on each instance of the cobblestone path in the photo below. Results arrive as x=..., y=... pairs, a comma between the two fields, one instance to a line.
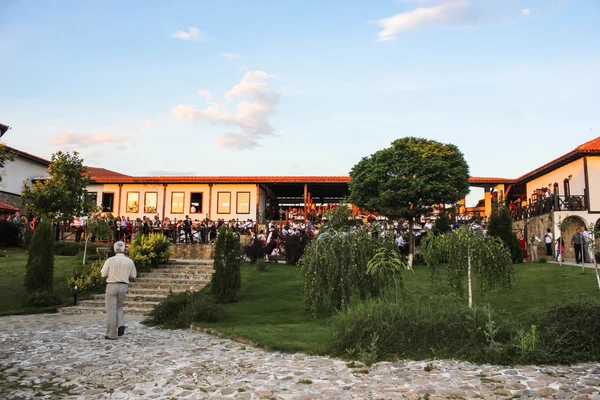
x=66, y=357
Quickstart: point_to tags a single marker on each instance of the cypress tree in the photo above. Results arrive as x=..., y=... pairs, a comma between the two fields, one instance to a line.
x=40, y=265
x=226, y=279
x=500, y=225
x=443, y=224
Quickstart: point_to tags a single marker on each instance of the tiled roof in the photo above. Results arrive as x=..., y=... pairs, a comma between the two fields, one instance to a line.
x=592, y=145
x=479, y=179
x=6, y=207
x=29, y=156
x=100, y=173
x=220, y=179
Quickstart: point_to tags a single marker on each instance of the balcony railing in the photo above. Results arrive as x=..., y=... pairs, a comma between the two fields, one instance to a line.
x=547, y=205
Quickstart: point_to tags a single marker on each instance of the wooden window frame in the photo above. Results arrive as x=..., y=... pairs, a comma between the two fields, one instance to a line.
x=219, y=203
x=201, y=205
x=127, y=203
x=182, y=203
x=237, y=203
x=145, y=200
x=113, y=202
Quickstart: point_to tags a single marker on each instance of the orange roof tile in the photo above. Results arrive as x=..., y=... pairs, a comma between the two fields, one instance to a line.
x=6, y=207
x=592, y=145
x=479, y=179
x=103, y=172
x=220, y=179
x=29, y=156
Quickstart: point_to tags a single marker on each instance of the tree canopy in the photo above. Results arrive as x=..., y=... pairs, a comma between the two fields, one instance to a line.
x=409, y=177
x=5, y=156
x=64, y=193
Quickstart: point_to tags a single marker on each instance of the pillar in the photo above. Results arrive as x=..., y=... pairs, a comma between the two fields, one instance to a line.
x=488, y=202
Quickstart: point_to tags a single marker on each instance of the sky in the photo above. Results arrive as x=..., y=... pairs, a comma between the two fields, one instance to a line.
x=298, y=87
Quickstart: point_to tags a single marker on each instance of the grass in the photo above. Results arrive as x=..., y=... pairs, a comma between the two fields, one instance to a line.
x=12, y=275
x=270, y=310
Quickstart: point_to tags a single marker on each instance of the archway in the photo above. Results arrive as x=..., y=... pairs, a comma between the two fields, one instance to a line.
x=574, y=223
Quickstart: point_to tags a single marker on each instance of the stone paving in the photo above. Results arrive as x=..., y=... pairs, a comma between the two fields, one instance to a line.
x=57, y=356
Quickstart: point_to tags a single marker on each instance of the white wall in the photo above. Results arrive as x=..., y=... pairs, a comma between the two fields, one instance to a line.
x=577, y=182
x=593, y=164
x=15, y=172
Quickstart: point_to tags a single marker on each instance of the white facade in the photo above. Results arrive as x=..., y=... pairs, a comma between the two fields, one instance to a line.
x=573, y=171
x=19, y=170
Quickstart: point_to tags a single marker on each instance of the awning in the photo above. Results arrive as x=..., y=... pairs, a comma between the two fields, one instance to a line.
x=6, y=207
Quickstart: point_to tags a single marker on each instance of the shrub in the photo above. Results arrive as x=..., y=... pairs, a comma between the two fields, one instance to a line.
x=543, y=260
x=9, y=234
x=40, y=265
x=564, y=333
x=148, y=251
x=416, y=329
x=66, y=248
x=42, y=299
x=500, y=225
x=294, y=247
x=88, y=279
x=226, y=279
x=334, y=270
x=181, y=309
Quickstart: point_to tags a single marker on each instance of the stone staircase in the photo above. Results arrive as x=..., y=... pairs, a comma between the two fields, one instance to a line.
x=150, y=288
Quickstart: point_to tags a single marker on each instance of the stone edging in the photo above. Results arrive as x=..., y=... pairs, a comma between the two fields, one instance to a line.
x=219, y=334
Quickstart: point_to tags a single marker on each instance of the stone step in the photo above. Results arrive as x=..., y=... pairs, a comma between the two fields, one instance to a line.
x=178, y=274
x=137, y=297
x=181, y=279
x=101, y=310
x=187, y=262
x=134, y=291
x=175, y=287
x=149, y=305
x=183, y=267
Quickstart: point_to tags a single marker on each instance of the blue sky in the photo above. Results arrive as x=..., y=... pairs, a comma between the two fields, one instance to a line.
x=298, y=87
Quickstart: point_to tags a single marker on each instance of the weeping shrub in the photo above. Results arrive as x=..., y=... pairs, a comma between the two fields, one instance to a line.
x=40, y=264
x=182, y=309
x=226, y=279
x=150, y=250
x=334, y=269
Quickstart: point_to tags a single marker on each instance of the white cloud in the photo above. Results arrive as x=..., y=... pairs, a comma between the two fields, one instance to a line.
x=447, y=12
x=85, y=139
x=526, y=11
x=257, y=102
x=193, y=34
x=228, y=56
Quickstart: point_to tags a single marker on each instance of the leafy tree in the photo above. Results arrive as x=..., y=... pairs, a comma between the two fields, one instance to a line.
x=5, y=157
x=340, y=218
x=500, y=226
x=387, y=262
x=63, y=195
x=40, y=264
x=409, y=177
x=443, y=224
x=465, y=252
x=226, y=279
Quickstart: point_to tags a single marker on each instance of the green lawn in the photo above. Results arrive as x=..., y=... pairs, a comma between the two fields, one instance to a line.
x=12, y=274
x=270, y=311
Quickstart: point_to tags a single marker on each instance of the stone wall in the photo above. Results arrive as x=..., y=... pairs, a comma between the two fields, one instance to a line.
x=11, y=199
x=535, y=226
x=193, y=251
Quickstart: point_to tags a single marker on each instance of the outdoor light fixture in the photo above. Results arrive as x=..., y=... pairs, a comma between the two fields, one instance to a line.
x=75, y=292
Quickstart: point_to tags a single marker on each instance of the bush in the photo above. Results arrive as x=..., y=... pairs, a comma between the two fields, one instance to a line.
x=40, y=265
x=294, y=247
x=226, y=280
x=88, y=279
x=9, y=234
x=42, y=299
x=334, y=270
x=564, y=333
x=148, y=251
x=500, y=225
x=416, y=329
x=66, y=248
x=181, y=309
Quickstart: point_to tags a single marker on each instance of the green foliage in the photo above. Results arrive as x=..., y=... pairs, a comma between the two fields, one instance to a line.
x=340, y=219
x=63, y=195
x=488, y=256
x=40, y=299
x=182, y=309
x=98, y=227
x=9, y=234
x=408, y=177
x=417, y=328
x=500, y=225
x=388, y=264
x=40, y=265
x=334, y=270
x=150, y=250
x=5, y=157
x=88, y=278
x=226, y=279
x=443, y=224
x=66, y=248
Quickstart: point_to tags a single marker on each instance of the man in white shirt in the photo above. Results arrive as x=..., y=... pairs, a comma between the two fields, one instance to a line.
x=548, y=242
x=117, y=270
x=586, y=244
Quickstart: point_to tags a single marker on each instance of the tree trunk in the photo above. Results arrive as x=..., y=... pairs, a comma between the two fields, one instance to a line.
x=411, y=247
x=470, y=281
x=85, y=249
